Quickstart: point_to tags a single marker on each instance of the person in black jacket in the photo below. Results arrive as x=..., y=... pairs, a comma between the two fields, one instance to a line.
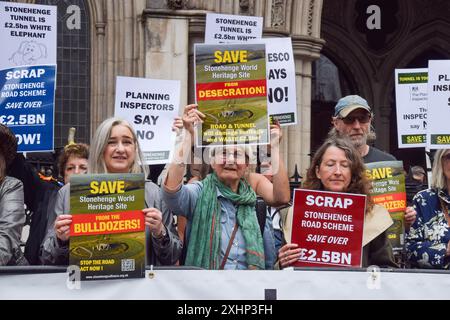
x=414, y=182
x=12, y=213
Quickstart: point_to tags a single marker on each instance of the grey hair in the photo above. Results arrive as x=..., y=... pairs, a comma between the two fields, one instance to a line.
x=371, y=135
x=438, y=179
x=334, y=133
x=96, y=160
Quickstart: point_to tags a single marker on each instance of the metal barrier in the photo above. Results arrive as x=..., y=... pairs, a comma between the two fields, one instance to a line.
x=184, y=283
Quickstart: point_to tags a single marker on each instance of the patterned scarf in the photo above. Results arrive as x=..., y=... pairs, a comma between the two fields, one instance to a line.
x=204, y=241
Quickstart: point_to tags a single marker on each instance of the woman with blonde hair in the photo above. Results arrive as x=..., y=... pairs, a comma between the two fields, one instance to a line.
x=338, y=167
x=115, y=149
x=427, y=242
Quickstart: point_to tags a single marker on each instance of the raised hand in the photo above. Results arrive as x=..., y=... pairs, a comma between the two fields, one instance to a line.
x=177, y=125
x=275, y=134
x=191, y=117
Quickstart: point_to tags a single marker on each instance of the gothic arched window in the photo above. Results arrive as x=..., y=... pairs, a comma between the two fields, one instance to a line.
x=328, y=85
x=72, y=98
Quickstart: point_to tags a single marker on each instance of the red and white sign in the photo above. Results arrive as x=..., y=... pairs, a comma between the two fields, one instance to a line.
x=328, y=227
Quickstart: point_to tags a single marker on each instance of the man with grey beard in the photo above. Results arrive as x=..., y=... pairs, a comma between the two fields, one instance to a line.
x=353, y=118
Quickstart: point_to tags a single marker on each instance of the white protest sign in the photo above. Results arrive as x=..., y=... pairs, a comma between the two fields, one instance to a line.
x=29, y=31
x=28, y=73
x=411, y=86
x=281, y=90
x=221, y=28
x=438, y=131
x=150, y=105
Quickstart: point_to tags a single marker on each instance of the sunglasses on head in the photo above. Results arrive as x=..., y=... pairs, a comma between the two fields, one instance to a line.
x=363, y=118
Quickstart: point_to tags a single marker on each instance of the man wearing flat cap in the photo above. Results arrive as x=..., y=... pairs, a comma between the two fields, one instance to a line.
x=353, y=118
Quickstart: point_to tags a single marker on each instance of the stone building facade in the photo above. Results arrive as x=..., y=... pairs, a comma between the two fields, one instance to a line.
x=366, y=40
x=172, y=28
x=340, y=48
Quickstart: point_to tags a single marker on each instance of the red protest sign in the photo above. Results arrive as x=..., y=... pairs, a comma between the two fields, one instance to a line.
x=328, y=227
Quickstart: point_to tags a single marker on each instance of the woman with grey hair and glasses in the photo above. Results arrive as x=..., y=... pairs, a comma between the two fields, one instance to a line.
x=115, y=149
x=223, y=230
x=427, y=242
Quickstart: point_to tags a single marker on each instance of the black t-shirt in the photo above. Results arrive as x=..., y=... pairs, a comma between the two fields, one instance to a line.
x=375, y=155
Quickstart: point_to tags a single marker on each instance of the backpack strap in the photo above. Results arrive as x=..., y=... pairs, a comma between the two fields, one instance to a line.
x=225, y=257
x=279, y=211
x=261, y=213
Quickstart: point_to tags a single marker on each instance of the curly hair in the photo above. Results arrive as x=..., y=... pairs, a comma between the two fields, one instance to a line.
x=359, y=183
x=77, y=150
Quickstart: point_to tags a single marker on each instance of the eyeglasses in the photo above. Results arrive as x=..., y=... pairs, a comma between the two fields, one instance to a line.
x=236, y=155
x=364, y=118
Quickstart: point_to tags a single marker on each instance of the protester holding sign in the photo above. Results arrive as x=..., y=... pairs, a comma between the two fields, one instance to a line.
x=28, y=73
x=115, y=149
x=337, y=166
x=12, y=212
x=427, y=242
x=231, y=91
x=73, y=159
x=353, y=119
x=223, y=230
x=415, y=181
x=388, y=190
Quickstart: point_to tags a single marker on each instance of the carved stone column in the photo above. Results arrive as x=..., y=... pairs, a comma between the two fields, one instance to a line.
x=173, y=27
x=98, y=25
x=117, y=49
x=301, y=19
x=382, y=126
x=166, y=49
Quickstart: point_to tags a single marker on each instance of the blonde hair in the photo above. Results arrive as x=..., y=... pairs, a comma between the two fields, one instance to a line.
x=438, y=179
x=96, y=161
